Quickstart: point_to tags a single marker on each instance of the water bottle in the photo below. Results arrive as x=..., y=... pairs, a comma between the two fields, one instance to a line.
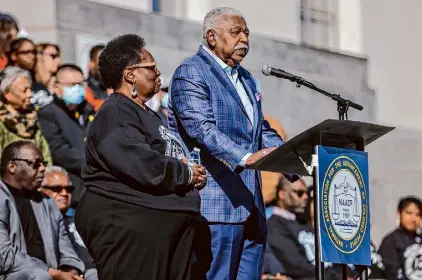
x=195, y=156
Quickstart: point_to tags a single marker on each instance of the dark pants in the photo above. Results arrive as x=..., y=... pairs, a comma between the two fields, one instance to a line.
x=133, y=242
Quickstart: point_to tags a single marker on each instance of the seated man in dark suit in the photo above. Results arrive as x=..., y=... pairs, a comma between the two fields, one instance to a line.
x=33, y=241
x=65, y=122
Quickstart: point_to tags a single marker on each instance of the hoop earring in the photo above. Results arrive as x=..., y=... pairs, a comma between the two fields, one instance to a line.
x=134, y=91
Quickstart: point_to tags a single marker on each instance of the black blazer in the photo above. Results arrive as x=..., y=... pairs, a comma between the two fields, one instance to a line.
x=66, y=139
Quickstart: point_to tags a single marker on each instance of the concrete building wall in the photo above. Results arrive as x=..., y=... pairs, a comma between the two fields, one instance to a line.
x=394, y=64
x=37, y=17
x=392, y=42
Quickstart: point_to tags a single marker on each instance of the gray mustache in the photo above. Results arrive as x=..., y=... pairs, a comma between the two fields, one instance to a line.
x=245, y=47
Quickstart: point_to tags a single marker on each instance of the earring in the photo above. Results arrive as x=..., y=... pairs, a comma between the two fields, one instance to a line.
x=134, y=91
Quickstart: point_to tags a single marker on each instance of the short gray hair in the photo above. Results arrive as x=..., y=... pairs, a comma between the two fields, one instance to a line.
x=56, y=169
x=9, y=75
x=212, y=18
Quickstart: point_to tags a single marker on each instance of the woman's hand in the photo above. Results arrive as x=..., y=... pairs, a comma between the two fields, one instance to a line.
x=199, y=176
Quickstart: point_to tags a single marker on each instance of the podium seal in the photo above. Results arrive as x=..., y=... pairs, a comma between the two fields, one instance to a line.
x=345, y=204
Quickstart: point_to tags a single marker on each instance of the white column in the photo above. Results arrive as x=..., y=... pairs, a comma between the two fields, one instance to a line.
x=350, y=25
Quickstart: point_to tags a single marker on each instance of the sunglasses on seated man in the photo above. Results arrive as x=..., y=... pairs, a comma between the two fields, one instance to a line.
x=59, y=189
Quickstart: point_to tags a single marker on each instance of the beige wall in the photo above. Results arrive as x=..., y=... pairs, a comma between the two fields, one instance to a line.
x=36, y=16
x=273, y=18
x=392, y=41
x=141, y=5
x=350, y=25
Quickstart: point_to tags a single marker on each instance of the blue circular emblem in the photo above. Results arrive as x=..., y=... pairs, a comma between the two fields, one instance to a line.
x=344, y=204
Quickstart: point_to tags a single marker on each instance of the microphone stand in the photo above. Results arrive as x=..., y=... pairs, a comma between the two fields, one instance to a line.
x=343, y=104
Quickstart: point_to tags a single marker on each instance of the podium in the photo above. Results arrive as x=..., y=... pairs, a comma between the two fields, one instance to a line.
x=300, y=156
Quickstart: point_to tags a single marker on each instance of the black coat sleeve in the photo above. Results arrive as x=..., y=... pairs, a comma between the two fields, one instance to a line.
x=390, y=257
x=288, y=252
x=132, y=161
x=63, y=153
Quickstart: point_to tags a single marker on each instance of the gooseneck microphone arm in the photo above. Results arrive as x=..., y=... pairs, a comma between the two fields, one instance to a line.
x=342, y=103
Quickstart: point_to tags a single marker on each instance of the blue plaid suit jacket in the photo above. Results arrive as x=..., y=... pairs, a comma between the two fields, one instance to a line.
x=206, y=112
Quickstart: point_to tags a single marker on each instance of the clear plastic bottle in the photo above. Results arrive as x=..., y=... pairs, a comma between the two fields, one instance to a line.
x=195, y=156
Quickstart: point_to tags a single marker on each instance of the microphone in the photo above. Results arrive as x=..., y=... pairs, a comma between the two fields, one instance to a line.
x=269, y=70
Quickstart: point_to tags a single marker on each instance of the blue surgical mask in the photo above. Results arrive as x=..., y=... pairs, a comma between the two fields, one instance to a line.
x=73, y=94
x=165, y=101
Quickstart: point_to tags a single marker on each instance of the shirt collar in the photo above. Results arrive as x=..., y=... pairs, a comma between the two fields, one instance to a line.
x=283, y=213
x=228, y=69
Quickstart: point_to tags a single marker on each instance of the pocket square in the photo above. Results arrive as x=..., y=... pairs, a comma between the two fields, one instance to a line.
x=258, y=96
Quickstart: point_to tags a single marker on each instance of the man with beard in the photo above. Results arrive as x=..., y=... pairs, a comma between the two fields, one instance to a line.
x=215, y=105
x=292, y=242
x=33, y=241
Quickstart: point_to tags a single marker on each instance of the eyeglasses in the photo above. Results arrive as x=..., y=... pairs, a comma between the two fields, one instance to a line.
x=148, y=65
x=59, y=189
x=81, y=83
x=34, y=52
x=31, y=162
x=52, y=55
x=300, y=193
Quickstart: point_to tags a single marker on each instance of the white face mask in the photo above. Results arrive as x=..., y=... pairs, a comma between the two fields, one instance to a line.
x=154, y=103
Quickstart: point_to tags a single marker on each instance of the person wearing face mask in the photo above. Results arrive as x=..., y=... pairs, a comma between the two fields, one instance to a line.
x=65, y=122
x=17, y=120
x=401, y=250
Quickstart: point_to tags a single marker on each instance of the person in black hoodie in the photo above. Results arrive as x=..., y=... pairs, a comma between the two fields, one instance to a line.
x=137, y=177
x=292, y=242
x=401, y=250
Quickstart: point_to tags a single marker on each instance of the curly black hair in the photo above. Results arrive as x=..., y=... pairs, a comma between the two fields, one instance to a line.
x=119, y=53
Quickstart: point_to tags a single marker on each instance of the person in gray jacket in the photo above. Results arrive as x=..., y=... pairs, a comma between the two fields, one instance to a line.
x=33, y=241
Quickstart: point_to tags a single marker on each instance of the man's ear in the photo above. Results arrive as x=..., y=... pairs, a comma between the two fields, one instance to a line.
x=211, y=37
x=281, y=195
x=11, y=167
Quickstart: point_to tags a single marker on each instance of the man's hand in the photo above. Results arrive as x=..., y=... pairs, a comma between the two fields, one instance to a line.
x=62, y=275
x=276, y=277
x=258, y=155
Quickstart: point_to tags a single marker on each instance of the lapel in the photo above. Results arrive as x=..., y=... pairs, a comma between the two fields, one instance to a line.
x=249, y=88
x=222, y=77
x=14, y=212
x=42, y=215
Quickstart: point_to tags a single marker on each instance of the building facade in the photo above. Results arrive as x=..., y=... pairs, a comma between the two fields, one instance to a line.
x=338, y=45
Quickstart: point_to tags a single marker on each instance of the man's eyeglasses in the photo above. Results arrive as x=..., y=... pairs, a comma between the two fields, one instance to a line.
x=31, y=162
x=34, y=52
x=81, y=83
x=59, y=189
x=300, y=193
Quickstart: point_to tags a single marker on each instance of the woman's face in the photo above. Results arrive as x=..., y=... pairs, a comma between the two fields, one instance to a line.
x=410, y=217
x=25, y=56
x=49, y=59
x=147, y=77
x=19, y=94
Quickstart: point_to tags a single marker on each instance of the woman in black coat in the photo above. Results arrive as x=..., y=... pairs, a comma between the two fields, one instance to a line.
x=138, y=215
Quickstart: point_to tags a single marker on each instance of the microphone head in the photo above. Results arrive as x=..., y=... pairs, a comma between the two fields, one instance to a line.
x=267, y=70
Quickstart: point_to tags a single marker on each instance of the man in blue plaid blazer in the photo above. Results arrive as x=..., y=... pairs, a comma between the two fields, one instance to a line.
x=215, y=106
